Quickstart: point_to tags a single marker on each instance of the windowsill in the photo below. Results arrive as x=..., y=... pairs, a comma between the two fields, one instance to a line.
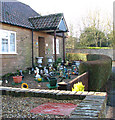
x=9, y=53
x=56, y=53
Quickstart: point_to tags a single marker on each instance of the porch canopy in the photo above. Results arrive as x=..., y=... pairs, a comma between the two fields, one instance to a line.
x=53, y=24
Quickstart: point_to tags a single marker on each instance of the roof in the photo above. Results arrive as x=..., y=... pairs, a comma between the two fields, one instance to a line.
x=17, y=13
x=49, y=22
x=20, y=14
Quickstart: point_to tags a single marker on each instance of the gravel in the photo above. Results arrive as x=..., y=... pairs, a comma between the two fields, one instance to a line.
x=19, y=107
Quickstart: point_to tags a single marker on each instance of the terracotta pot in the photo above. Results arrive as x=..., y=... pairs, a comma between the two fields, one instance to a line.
x=17, y=79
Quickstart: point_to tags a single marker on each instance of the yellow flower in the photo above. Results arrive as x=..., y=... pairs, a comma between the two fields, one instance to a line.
x=78, y=87
x=24, y=85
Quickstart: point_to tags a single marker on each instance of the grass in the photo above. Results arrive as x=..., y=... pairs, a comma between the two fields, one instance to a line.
x=98, y=48
x=93, y=48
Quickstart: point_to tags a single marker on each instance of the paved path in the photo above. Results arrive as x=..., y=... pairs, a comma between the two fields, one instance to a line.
x=111, y=95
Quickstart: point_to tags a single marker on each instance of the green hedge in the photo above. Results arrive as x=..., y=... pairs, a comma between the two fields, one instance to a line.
x=76, y=56
x=99, y=69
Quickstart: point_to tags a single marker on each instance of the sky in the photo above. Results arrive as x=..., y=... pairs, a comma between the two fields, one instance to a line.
x=74, y=10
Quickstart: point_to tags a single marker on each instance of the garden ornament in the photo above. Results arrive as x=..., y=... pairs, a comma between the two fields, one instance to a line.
x=20, y=73
x=24, y=85
x=67, y=62
x=6, y=81
x=0, y=82
x=37, y=73
x=45, y=70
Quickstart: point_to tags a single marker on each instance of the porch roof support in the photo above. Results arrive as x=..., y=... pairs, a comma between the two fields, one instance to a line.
x=63, y=47
x=32, y=51
x=55, y=45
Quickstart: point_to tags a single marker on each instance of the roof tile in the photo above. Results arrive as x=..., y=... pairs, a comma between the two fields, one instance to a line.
x=17, y=13
x=46, y=22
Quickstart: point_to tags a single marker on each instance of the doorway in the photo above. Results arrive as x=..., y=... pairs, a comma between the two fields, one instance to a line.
x=41, y=48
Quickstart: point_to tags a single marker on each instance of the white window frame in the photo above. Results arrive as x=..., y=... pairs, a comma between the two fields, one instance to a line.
x=57, y=46
x=7, y=37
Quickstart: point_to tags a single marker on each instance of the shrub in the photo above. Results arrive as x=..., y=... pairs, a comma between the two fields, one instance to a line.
x=75, y=57
x=99, y=70
x=98, y=66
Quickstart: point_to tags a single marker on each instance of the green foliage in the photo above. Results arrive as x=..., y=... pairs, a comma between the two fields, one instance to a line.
x=71, y=42
x=59, y=60
x=83, y=47
x=76, y=56
x=93, y=37
x=99, y=48
x=99, y=69
x=98, y=66
x=110, y=39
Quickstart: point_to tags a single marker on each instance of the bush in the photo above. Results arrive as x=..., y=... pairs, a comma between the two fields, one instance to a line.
x=99, y=70
x=76, y=56
x=98, y=66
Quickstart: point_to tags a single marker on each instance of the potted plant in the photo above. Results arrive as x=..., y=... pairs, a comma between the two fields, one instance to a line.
x=17, y=79
x=53, y=81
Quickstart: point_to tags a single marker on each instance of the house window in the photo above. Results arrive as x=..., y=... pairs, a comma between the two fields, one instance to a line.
x=57, y=46
x=7, y=42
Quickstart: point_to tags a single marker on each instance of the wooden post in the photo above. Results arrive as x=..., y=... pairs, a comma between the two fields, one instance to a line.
x=32, y=52
x=63, y=47
x=55, y=45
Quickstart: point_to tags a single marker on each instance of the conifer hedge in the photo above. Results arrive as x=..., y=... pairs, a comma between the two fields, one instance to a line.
x=98, y=66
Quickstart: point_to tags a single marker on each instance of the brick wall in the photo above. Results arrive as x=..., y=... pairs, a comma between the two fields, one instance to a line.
x=81, y=78
x=93, y=104
x=23, y=58
x=108, y=52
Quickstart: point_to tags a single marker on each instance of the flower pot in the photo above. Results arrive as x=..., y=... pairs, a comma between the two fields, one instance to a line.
x=53, y=81
x=17, y=79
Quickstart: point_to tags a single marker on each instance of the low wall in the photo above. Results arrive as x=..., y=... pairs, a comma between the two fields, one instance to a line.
x=108, y=52
x=81, y=78
x=93, y=104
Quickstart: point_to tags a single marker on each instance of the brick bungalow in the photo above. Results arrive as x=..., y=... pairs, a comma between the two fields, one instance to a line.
x=25, y=35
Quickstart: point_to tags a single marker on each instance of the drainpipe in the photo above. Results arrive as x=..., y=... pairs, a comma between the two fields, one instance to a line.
x=32, y=52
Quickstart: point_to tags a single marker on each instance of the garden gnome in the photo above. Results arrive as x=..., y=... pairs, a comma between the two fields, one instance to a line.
x=37, y=72
x=45, y=70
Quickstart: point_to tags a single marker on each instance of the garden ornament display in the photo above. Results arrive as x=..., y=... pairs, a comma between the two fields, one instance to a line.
x=24, y=85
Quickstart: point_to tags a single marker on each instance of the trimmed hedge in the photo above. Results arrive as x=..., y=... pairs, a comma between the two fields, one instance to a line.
x=99, y=68
x=76, y=56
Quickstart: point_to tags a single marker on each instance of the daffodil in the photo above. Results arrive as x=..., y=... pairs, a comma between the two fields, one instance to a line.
x=78, y=87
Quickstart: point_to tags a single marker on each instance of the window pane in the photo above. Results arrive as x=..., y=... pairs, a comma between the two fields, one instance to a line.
x=57, y=46
x=4, y=45
x=12, y=42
